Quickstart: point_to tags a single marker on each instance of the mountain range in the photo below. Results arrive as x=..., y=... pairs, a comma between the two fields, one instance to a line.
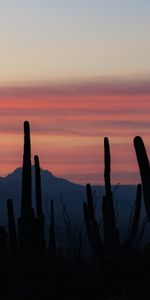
x=66, y=195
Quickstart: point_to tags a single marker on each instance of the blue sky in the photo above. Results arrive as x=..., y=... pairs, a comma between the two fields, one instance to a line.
x=59, y=40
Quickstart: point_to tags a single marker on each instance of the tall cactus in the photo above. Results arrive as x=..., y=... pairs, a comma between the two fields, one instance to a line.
x=11, y=226
x=26, y=173
x=111, y=235
x=107, y=168
x=25, y=222
x=144, y=168
x=39, y=208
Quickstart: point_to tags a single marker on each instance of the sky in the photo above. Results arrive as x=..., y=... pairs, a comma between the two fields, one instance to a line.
x=77, y=71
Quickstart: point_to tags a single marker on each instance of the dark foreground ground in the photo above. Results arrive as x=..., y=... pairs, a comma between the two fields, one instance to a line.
x=41, y=278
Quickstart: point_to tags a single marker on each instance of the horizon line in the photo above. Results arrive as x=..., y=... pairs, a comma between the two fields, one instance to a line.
x=65, y=179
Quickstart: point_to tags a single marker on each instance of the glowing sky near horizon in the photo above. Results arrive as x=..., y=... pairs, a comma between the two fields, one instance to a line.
x=77, y=71
x=68, y=125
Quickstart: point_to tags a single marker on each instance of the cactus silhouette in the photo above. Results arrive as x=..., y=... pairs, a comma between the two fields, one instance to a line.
x=23, y=256
x=39, y=208
x=26, y=221
x=111, y=234
x=111, y=244
x=52, y=238
x=144, y=168
x=136, y=217
x=26, y=173
x=13, y=243
x=91, y=223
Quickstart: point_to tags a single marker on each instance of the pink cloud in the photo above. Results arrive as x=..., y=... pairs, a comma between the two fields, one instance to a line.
x=69, y=122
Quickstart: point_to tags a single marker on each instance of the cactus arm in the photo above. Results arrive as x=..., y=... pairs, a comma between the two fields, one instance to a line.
x=136, y=217
x=39, y=209
x=144, y=168
x=91, y=213
x=107, y=169
x=91, y=223
x=92, y=233
x=87, y=223
x=90, y=201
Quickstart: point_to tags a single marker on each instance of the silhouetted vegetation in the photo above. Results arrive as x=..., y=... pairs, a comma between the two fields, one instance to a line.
x=111, y=246
x=31, y=266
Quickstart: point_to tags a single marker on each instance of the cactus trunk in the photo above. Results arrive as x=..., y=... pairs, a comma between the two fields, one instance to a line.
x=11, y=226
x=26, y=221
x=111, y=238
x=26, y=173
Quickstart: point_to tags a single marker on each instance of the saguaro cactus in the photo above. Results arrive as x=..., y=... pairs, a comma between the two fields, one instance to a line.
x=39, y=208
x=111, y=234
x=144, y=168
x=11, y=226
x=26, y=173
x=25, y=222
x=107, y=168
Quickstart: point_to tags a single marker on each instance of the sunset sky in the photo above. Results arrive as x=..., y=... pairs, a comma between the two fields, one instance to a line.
x=77, y=71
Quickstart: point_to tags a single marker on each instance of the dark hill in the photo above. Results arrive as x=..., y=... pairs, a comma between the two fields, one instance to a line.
x=72, y=194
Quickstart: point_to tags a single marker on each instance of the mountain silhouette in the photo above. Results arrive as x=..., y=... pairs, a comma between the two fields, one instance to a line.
x=52, y=188
x=48, y=181
x=73, y=196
